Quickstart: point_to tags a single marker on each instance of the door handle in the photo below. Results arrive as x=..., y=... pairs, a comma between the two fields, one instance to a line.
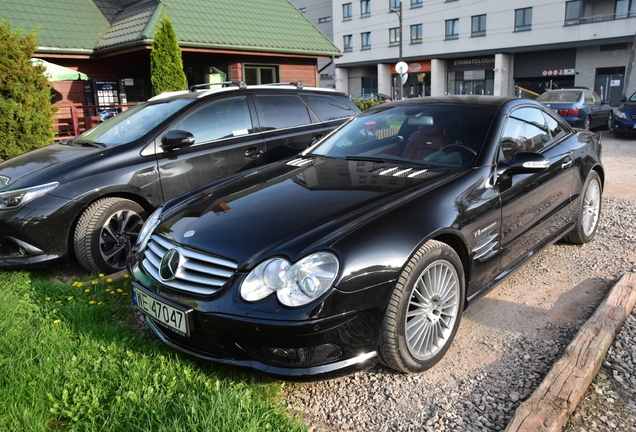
x=253, y=152
x=566, y=164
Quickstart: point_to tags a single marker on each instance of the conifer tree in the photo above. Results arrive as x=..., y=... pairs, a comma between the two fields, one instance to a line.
x=166, y=65
x=26, y=112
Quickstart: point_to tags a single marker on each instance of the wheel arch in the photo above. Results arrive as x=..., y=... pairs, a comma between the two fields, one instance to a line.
x=144, y=203
x=458, y=245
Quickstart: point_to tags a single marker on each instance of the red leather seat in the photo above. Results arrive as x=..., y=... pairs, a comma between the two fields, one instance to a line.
x=428, y=139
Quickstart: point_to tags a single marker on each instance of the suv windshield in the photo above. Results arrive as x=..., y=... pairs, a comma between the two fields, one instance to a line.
x=132, y=124
x=428, y=134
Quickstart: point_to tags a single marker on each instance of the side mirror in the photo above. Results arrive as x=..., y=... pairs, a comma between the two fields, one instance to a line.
x=623, y=99
x=523, y=163
x=175, y=139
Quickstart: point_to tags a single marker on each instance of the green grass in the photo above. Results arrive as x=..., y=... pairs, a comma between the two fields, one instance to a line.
x=70, y=361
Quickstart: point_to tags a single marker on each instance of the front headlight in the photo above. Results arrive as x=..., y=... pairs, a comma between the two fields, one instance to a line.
x=621, y=115
x=146, y=230
x=294, y=285
x=17, y=198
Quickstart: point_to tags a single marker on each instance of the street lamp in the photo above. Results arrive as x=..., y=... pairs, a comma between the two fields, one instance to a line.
x=398, y=12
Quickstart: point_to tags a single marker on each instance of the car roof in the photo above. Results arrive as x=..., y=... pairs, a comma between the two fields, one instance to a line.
x=496, y=101
x=237, y=86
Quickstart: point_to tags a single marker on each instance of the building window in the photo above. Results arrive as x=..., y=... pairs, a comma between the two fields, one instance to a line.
x=254, y=74
x=347, y=42
x=366, y=40
x=365, y=8
x=303, y=9
x=394, y=4
x=625, y=8
x=523, y=19
x=394, y=36
x=324, y=20
x=416, y=33
x=479, y=25
x=573, y=11
x=452, y=29
x=347, y=11
x=416, y=4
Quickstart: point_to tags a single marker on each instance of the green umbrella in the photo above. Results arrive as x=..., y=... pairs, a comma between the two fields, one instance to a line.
x=59, y=73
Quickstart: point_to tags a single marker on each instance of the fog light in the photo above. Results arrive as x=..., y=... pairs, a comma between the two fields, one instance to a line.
x=308, y=356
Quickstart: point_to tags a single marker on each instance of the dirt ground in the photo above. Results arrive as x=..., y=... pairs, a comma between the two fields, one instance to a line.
x=545, y=291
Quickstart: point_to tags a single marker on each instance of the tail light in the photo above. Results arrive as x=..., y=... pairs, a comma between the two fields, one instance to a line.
x=569, y=112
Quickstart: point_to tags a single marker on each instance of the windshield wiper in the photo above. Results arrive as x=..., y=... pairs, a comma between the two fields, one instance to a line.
x=85, y=143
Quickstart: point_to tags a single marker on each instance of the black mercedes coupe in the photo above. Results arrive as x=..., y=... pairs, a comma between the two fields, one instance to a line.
x=369, y=245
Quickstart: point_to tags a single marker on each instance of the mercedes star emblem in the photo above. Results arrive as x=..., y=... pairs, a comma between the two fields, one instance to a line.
x=169, y=265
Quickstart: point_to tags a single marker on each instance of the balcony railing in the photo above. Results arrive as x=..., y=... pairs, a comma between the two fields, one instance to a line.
x=599, y=18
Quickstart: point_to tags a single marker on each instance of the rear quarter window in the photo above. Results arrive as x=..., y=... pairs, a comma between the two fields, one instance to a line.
x=281, y=111
x=330, y=107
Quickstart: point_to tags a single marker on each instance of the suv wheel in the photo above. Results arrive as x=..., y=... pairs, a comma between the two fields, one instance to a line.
x=105, y=233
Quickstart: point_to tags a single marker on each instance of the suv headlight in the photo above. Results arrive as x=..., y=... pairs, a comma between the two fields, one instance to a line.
x=621, y=115
x=17, y=198
x=147, y=229
x=294, y=285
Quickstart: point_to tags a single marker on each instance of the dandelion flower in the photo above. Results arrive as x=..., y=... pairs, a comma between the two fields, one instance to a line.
x=112, y=292
x=75, y=283
x=69, y=298
x=101, y=275
x=91, y=302
x=119, y=290
x=80, y=284
x=109, y=280
x=57, y=321
x=87, y=290
x=99, y=303
x=126, y=276
x=48, y=299
x=94, y=282
x=124, y=294
x=59, y=302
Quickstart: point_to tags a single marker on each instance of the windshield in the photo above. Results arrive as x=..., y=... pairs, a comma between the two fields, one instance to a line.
x=426, y=134
x=560, y=96
x=132, y=124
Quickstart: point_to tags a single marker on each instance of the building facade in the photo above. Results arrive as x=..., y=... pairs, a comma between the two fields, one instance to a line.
x=485, y=46
x=320, y=13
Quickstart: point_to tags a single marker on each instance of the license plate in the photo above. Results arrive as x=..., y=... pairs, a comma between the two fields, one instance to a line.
x=159, y=310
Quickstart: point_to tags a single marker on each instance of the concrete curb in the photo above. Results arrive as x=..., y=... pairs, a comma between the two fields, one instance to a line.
x=551, y=404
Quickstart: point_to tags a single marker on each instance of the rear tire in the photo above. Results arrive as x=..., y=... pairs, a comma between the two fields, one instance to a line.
x=587, y=123
x=105, y=232
x=424, y=311
x=589, y=211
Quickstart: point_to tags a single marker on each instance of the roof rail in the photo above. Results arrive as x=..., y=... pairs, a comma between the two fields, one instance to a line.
x=298, y=84
x=239, y=84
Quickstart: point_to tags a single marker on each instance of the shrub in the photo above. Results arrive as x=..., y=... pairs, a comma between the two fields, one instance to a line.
x=166, y=65
x=366, y=104
x=26, y=112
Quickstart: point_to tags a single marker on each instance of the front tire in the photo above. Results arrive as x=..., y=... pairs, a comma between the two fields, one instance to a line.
x=589, y=211
x=105, y=232
x=424, y=311
x=587, y=123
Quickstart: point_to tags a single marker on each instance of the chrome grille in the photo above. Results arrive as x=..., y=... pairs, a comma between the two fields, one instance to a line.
x=198, y=273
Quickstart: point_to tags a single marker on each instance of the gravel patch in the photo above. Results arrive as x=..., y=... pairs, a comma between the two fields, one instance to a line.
x=512, y=363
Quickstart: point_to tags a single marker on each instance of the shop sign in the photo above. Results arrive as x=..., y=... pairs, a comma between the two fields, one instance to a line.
x=471, y=63
x=415, y=67
x=558, y=72
x=474, y=75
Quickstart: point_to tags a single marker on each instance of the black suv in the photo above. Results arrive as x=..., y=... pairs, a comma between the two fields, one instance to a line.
x=90, y=195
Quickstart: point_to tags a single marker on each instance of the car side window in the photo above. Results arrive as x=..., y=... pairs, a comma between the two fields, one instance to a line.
x=281, y=111
x=589, y=98
x=329, y=107
x=557, y=131
x=526, y=130
x=220, y=119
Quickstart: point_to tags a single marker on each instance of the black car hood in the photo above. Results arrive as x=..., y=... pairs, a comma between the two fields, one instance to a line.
x=293, y=210
x=40, y=163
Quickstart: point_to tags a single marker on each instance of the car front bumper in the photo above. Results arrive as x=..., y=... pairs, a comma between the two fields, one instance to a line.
x=625, y=126
x=340, y=338
x=37, y=233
